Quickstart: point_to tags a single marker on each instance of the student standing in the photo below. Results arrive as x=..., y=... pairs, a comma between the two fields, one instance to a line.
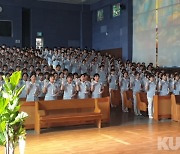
x=32, y=89
x=150, y=87
x=69, y=88
x=136, y=86
x=83, y=88
x=97, y=87
x=22, y=83
x=176, y=85
x=50, y=89
x=164, y=86
x=124, y=84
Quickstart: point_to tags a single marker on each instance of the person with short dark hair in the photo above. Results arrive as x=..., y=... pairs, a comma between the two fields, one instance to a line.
x=50, y=89
x=32, y=88
x=83, y=88
x=136, y=86
x=97, y=87
x=176, y=85
x=124, y=84
x=164, y=86
x=69, y=88
x=23, y=83
x=151, y=91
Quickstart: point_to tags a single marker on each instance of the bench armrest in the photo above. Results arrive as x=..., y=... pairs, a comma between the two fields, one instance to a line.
x=96, y=109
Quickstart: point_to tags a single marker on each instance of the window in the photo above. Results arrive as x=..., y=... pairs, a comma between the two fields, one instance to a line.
x=5, y=28
x=116, y=10
x=100, y=15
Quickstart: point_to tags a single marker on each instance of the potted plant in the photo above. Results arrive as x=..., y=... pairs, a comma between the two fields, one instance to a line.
x=11, y=119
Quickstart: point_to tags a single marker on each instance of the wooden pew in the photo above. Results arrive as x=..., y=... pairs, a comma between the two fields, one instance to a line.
x=104, y=106
x=142, y=101
x=115, y=97
x=64, y=111
x=29, y=107
x=175, y=107
x=106, y=91
x=162, y=107
x=128, y=98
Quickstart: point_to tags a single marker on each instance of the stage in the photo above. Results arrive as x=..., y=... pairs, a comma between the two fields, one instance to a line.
x=130, y=136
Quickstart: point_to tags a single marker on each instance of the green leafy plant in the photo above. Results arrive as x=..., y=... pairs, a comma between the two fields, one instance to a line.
x=11, y=119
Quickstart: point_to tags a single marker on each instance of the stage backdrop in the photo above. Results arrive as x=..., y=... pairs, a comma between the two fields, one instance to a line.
x=144, y=31
x=169, y=33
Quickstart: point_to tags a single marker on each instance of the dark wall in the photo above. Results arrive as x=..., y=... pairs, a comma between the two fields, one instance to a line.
x=12, y=13
x=60, y=24
x=119, y=29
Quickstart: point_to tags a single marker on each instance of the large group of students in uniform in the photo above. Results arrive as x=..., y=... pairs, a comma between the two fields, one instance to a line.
x=71, y=73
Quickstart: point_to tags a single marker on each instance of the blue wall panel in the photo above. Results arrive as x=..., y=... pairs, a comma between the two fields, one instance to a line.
x=12, y=13
x=58, y=22
x=119, y=33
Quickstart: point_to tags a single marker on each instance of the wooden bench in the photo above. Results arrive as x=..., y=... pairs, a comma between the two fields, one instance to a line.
x=128, y=98
x=106, y=91
x=162, y=107
x=66, y=111
x=175, y=107
x=29, y=108
x=115, y=97
x=104, y=106
x=142, y=102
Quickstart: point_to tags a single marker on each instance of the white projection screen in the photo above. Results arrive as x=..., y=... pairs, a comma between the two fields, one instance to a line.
x=144, y=31
x=169, y=33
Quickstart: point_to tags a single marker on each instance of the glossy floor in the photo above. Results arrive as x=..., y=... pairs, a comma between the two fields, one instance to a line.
x=127, y=134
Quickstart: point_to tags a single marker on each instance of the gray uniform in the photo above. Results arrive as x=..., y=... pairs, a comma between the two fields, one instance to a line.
x=152, y=89
x=69, y=90
x=164, y=88
x=97, y=89
x=113, y=82
x=84, y=89
x=103, y=77
x=137, y=84
x=150, y=93
x=125, y=82
x=23, y=93
x=41, y=86
x=84, y=68
x=176, y=91
x=52, y=91
x=75, y=68
x=34, y=91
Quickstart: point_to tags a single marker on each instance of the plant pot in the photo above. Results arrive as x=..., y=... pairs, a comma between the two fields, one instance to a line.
x=22, y=144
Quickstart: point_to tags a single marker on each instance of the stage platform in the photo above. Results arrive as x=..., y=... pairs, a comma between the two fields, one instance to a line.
x=126, y=134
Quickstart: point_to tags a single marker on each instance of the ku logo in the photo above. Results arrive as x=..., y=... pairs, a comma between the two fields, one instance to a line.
x=168, y=143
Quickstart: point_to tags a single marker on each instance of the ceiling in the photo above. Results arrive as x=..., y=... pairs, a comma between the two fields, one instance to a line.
x=73, y=1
